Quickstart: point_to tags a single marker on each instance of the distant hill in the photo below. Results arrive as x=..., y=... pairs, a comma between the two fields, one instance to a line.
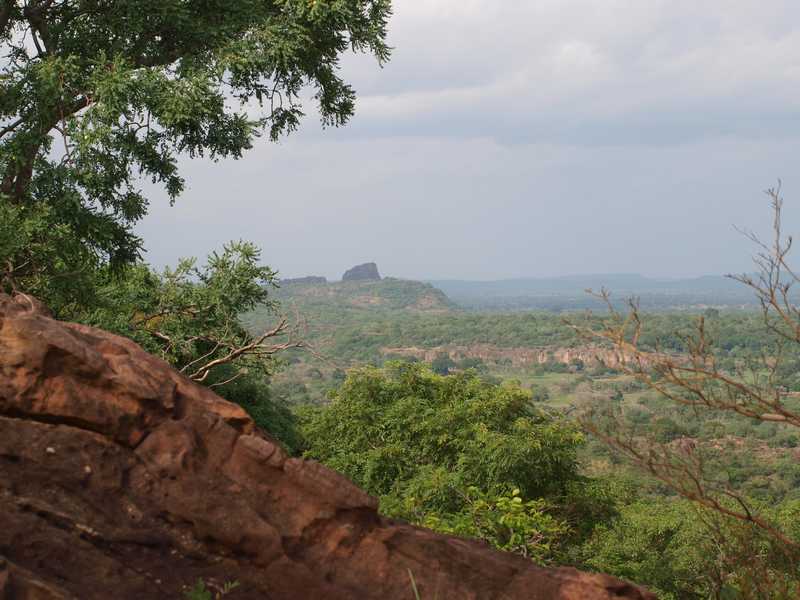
x=387, y=293
x=569, y=293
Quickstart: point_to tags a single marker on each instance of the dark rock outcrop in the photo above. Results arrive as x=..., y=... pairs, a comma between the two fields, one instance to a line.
x=308, y=280
x=119, y=478
x=365, y=272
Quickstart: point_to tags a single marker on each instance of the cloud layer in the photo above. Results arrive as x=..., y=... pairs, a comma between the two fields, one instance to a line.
x=604, y=72
x=527, y=138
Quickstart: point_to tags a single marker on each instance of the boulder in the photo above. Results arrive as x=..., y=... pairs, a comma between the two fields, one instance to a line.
x=120, y=478
x=365, y=272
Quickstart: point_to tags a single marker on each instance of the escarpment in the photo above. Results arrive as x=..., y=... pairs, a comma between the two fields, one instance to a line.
x=525, y=357
x=119, y=478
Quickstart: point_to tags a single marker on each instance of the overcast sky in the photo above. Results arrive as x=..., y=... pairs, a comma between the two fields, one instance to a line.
x=511, y=138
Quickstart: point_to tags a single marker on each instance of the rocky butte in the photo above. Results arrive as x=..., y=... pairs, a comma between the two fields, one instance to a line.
x=120, y=478
x=365, y=272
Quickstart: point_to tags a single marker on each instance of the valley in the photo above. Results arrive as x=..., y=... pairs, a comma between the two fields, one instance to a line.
x=350, y=324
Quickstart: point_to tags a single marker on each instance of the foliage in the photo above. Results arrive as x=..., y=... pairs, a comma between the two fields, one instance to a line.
x=442, y=364
x=506, y=521
x=745, y=391
x=35, y=231
x=482, y=435
x=201, y=591
x=540, y=393
x=189, y=316
x=96, y=97
x=445, y=450
x=680, y=551
x=356, y=323
x=657, y=543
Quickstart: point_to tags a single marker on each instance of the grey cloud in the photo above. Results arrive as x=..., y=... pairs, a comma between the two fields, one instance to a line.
x=514, y=138
x=545, y=70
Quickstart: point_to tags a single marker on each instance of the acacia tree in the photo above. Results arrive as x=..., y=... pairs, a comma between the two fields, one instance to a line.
x=758, y=546
x=97, y=94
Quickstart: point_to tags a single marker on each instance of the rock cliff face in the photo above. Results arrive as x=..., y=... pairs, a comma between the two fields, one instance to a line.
x=121, y=479
x=365, y=272
x=522, y=357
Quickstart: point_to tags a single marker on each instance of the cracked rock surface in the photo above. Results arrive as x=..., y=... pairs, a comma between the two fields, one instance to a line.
x=120, y=478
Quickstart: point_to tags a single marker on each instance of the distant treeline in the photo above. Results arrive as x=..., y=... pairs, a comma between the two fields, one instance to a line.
x=570, y=293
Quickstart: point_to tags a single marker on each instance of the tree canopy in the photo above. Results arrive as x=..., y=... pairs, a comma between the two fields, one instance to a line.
x=451, y=452
x=98, y=95
x=189, y=315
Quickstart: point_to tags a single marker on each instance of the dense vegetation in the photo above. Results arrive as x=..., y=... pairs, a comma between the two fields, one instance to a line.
x=454, y=453
x=420, y=436
x=352, y=324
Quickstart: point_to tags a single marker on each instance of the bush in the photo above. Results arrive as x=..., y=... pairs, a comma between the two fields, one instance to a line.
x=449, y=451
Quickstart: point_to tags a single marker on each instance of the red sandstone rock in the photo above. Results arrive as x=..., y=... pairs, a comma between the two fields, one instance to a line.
x=119, y=478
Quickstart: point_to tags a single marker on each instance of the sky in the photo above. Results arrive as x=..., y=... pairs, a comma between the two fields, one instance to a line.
x=531, y=138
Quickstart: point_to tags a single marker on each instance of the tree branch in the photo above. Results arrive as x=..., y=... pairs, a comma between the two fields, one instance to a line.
x=695, y=379
x=11, y=127
x=5, y=14
x=256, y=347
x=17, y=177
x=35, y=15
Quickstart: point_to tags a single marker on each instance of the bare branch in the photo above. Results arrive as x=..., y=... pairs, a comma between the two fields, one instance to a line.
x=255, y=348
x=695, y=379
x=238, y=374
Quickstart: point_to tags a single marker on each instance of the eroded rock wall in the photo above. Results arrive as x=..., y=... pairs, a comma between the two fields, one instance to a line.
x=521, y=357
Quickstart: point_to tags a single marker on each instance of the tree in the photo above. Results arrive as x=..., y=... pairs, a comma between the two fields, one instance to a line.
x=454, y=453
x=539, y=393
x=655, y=542
x=442, y=363
x=190, y=315
x=504, y=520
x=96, y=95
x=750, y=390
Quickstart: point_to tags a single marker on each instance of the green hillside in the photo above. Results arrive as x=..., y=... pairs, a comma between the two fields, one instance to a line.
x=388, y=293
